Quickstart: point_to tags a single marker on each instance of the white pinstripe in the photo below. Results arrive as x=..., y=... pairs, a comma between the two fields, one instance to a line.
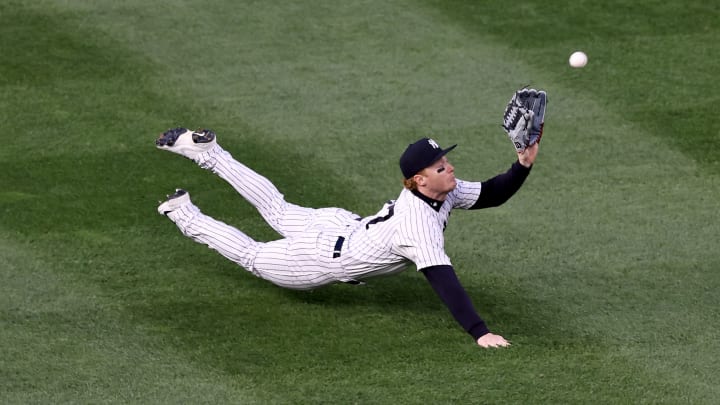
x=303, y=258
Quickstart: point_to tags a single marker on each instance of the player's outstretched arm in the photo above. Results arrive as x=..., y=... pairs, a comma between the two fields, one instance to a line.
x=497, y=190
x=444, y=281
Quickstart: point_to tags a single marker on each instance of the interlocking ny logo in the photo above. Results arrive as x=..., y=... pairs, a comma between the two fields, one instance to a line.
x=433, y=144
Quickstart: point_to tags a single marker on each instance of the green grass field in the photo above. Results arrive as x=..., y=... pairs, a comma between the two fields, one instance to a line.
x=602, y=270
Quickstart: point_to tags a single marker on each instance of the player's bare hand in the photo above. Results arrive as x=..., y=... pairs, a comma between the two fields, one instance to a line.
x=492, y=340
x=527, y=156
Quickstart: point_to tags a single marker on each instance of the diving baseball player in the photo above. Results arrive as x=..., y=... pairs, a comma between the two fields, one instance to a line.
x=332, y=245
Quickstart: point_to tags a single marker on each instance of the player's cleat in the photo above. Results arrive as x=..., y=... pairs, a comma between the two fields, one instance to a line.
x=186, y=142
x=174, y=201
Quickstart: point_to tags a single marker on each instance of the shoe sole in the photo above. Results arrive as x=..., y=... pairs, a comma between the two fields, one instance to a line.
x=202, y=141
x=174, y=201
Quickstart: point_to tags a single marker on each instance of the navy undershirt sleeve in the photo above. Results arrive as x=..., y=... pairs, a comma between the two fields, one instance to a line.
x=497, y=190
x=447, y=286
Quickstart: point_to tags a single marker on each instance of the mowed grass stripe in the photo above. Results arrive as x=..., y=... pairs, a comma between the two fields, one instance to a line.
x=66, y=340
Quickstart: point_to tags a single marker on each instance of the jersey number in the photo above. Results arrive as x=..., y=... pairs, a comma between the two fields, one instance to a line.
x=390, y=211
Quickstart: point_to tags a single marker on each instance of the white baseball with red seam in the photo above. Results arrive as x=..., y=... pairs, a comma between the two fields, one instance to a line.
x=578, y=59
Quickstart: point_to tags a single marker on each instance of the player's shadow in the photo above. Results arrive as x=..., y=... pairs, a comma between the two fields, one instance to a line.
x=409, y=292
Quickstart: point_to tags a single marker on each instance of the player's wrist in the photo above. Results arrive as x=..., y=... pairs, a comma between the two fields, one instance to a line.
x=523, y=165
x=478, y=330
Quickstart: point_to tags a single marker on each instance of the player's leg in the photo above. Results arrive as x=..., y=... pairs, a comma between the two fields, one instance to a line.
x=291, y=263
x=226, y=240
x=288, y=219
x=202, y=148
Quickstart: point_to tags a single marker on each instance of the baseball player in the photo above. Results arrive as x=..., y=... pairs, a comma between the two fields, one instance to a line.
x=332, y=245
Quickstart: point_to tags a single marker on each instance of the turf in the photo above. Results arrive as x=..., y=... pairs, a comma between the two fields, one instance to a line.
x=601, y=270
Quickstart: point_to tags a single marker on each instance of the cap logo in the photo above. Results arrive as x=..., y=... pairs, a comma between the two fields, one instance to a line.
x=433, y=144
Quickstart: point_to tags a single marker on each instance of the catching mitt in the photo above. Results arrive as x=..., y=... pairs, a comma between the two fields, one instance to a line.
x=524, y=117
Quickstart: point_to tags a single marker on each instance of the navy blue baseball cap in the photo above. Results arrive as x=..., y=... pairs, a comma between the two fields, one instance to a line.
x=420, y=155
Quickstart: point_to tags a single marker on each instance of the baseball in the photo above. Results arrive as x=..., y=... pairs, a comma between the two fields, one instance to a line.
x=578, y=59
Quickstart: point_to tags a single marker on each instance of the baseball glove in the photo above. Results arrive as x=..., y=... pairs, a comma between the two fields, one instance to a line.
x=524, y=117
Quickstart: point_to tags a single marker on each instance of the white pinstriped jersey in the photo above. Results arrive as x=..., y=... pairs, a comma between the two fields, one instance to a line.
x=406, y=229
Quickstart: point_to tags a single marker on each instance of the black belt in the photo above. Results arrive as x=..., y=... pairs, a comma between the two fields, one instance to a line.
x=338, y=247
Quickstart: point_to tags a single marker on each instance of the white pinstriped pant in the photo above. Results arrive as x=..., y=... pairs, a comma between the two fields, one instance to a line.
x=302, y=260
